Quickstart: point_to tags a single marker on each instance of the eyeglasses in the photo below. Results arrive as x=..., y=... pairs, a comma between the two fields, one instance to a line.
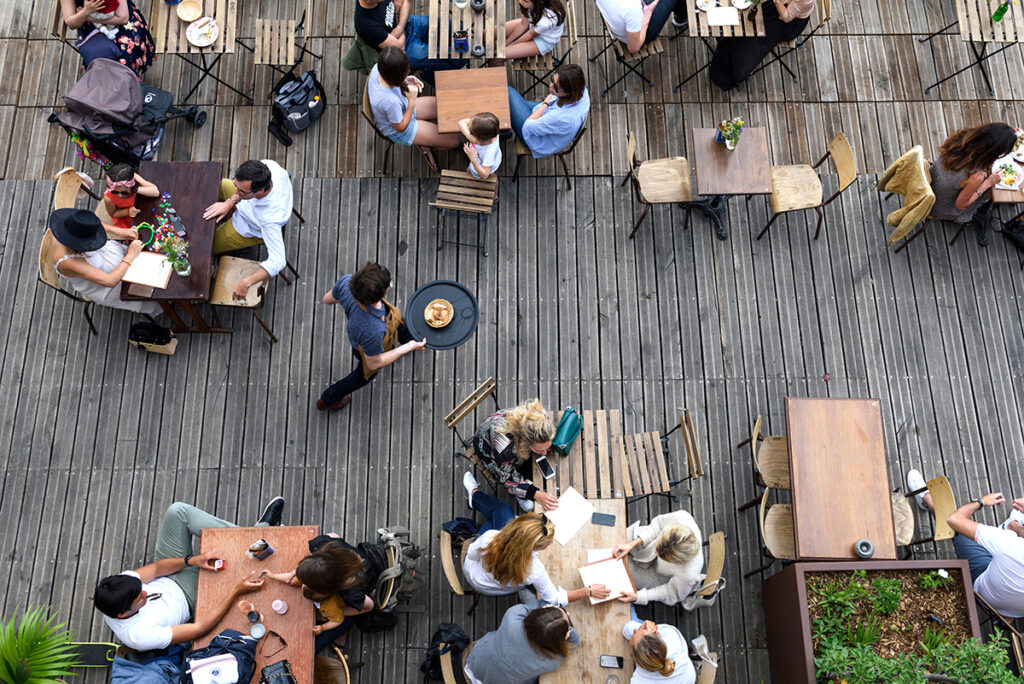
x=281, y=645
x=544, y=525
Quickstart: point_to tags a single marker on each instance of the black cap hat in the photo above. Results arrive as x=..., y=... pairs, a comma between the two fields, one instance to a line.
x=78, y=229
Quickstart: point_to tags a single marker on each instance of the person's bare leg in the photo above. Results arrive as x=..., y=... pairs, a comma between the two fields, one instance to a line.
x=426, y=108
x=927, y=499
x=427, y=134
x=520, y=50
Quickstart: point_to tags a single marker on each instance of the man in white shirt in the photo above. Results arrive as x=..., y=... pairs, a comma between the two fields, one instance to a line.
x=637, y=24
x=995, y=554
x=252, y=210
x=150, y=608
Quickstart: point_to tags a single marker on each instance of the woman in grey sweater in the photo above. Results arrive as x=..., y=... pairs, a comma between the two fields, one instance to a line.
x=533, y=639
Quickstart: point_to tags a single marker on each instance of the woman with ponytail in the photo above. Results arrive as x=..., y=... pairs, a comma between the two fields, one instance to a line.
x=659, y=652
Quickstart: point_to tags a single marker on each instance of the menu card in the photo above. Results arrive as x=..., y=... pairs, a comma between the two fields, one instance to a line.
x=149, y=269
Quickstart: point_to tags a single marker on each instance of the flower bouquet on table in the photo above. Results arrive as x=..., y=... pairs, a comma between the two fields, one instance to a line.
x=176, y=251
x=729, y=132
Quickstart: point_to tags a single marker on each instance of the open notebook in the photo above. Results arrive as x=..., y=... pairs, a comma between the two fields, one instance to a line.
x=149, y=269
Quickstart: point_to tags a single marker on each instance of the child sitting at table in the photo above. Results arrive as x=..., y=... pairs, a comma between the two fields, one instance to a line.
x=123, y=186
x=484, y=146
x=107, y=10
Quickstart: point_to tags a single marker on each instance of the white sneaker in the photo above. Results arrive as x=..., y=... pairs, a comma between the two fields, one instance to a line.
x=700, y=646
x=526, y=505
x=915, y=481
x=471, y=485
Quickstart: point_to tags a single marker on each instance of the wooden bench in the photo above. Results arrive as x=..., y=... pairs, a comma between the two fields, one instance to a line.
x=548, y=63
x=461, y=192
x=631, y=62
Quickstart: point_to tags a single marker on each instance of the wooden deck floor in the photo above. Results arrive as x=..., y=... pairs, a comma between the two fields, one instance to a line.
x=865, y=72
x=101, y=437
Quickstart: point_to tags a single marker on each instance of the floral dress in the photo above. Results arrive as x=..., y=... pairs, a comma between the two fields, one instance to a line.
x=133, y=46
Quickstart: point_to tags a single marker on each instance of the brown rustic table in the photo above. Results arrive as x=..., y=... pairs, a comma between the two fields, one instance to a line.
x=193, y=187
x=169, y=34
x=594, y=465
x=600, y=626
x=839, y=478
x=463, y=93
x=445, y=18
x=291, y=544
x=722, y=173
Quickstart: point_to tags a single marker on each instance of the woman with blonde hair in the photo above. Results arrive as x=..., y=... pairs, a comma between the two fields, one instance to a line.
x=500, y=562
x=507, y=440
x=659, y=652
x=665, y=558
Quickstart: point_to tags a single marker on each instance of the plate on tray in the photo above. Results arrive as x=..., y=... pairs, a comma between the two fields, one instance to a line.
x=439, y=313
x=202, y=32
x=1013, y=174
x=742, y=4
x=705, y=5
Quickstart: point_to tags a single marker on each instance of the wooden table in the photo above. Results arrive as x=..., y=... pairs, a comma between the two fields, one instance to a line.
x=699, y=27
x=839, y=478
x=599, y=626
x=169, y=34
x=594, y=465
x=463, y=93
x=290, y=544
x=974, y=18
x=722, y=173
x=446, y=18
x=193, y=187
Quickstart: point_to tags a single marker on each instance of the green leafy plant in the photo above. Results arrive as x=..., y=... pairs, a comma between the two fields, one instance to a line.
x=933, y=640
x=176, y=250
x=35, y=649
x=863, y=632
x=934, y=579
x=888, y=593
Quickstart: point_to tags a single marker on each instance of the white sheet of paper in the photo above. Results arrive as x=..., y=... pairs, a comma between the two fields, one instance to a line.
x=572, y=512
x=594, y=555
x=612, y=573
x=723, y=16
x=149, y=269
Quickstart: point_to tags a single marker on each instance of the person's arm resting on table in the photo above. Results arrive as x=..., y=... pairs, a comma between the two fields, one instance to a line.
x=974, y=186
x=194, y=630
x=221, y=211
x=960, y=519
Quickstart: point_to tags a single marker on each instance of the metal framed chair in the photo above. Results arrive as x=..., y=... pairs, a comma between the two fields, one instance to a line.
x=657, y=181
x=632, y=63
x=464, y=409
x=522, y=151
x=48, y=276
x=549, y=62
x=777, y=534
x=230, y=272
x=770, y=455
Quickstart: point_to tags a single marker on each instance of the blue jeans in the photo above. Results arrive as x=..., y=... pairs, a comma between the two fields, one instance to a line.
x=498, y=513
x=519, y=109
x=416, y=37
x=972, y=552
x=660, y=15
x=324, y=639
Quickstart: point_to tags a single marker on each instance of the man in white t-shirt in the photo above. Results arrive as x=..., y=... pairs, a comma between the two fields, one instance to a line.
x=150, y=608
x=637, y=24
x=995, y=554
x=252, y=210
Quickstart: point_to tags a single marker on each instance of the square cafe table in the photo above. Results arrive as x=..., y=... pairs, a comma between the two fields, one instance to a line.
x=445, y=18
x=599, y=626
x=290, y=544
x=1000, y=196
x=839, y=478
x=722, y=173
x=465, y=92
x=193, y=187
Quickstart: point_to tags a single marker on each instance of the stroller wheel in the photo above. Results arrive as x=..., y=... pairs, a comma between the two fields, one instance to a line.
x=196, y=116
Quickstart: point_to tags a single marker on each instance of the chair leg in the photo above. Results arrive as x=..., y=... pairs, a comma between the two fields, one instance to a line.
x=911, y=238
x=821, y=219
x=748, y=504
x=760, y=569
x=88, y=317
x=565, y=168
x=266, y=327
x=767, y=226
x=298, y=215
x=291, y=268
x=686, y=221
x=640, y=220
x=476, y=600
x=743, y=443
x=515, y=172
x=285, y=278
x=626, y=179
x=957, y=236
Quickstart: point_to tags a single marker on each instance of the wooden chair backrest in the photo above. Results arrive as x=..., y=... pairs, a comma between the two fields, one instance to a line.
x=65, y=195
x=367, y=112
x=764, y=510
x=447, y=670
x=47, y=272
x=945, y=504
x=59, y=29
x=448, y=564
x=824, y=11
x=579, y=134
x=754, y=439
x=842, y=156
x=231, y=270
x=469, y=404
x=693, y=460
x=631, y=157
x=716, y=561
x=344, y=663
x=708, y=670
x=570, y=25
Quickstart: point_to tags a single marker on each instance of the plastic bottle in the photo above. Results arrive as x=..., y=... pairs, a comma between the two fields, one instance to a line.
x=1001, y=11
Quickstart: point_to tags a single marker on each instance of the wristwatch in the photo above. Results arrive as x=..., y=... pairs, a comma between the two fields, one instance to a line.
x=980, y=503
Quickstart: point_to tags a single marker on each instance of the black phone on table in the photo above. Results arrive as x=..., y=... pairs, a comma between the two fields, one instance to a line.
x=603, y=519
x=611, y=661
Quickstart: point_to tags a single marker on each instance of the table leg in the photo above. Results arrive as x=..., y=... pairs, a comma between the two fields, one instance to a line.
x=980, y=57
x=198, y=322
x=689, y=78
x=177, y=325
x=713, y=207
x=205, y=70
x=198, y=325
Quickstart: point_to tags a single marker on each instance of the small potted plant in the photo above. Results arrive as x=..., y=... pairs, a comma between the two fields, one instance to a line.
x=729, y=132
x=176, y=250
x=35, y=649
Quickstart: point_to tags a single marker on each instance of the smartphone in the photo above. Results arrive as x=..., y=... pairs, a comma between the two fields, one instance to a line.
x=545, y=467
x=611, y=661
x=603, y=519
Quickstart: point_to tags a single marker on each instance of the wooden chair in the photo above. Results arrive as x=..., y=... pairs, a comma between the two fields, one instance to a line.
x=903, y=519
x=771, y=460
x=276, y=40
x=644, y=467
x=548, y=63
x=447, y=669
x=708, y=669
x=631, y=62
x=693, y=460
x=230, y=272
x=716, y=562
x=465, y=408
x=452, y=573
x=798, y=187
x=824, y=12
x=389, y=144
x=69, y=187
x=462, y=192
x=48, y=276
x=344, y=663
x=944, y=503
x=522, y=152
x=657, y=181
x=59, y=29
x=776, y=533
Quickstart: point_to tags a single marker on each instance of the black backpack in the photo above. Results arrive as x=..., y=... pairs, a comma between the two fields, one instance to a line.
x=241, y=646
x=455, y=639
x=299, y=101
x=149, y=333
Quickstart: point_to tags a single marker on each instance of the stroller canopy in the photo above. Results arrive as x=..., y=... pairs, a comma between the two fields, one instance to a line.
x=107, y=100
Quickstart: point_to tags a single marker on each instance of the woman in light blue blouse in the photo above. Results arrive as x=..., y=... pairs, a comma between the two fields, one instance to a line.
x=548, y=127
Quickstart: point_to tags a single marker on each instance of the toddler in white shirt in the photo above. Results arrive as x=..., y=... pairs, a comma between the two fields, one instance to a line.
x=484, y=146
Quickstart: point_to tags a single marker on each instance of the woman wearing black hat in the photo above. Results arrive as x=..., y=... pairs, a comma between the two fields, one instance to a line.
x=92, y=264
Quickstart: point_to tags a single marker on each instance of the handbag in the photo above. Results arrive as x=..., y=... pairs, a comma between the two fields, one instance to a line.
x=568, y=430
x=300, y=100
x=1014, y=232
x=277, y=673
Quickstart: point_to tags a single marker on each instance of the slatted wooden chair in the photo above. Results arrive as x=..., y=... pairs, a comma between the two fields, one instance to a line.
x=708, y=669
x=230, y=272
x=944, y=503
x=771, y=460
x=777, y=534
x=523, y=152
x=48, y=276
x=454, y=575
x=549, y=62
x=713, y=580
x=784, y=49
x=644, y=466
x=59, y=29
x=461, y=192
x=632, y=63
x=694, y=462
x=389, y=144
x=448, y=669
x=283, y=42
x=657, y=181
x=466, y=408
x=798, y=186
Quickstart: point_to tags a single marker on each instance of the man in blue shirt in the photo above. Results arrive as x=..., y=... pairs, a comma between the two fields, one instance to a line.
x=375, y=330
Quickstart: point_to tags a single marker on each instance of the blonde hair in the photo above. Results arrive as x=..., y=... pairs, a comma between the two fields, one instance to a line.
x=508, y=556
x=677, y=544
x=651, y=654
x=528, y=424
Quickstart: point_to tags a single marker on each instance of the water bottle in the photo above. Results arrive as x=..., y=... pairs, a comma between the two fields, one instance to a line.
x=1001, y=11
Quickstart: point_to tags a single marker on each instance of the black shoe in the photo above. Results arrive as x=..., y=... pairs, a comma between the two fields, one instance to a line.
x=272, y=513
x=984, y=233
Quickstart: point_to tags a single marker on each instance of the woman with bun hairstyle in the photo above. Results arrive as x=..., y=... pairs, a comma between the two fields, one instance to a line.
x=660, y=653
x=665, y=558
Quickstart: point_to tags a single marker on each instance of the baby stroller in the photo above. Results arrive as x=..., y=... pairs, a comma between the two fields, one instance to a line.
x=112, y=118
